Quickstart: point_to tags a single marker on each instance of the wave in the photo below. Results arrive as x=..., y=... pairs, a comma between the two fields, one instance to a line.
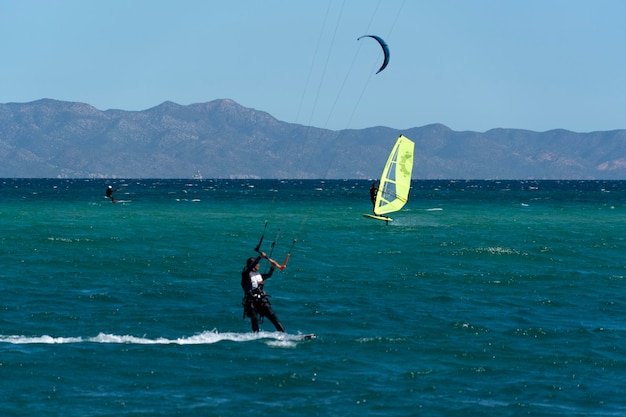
x=205, y=338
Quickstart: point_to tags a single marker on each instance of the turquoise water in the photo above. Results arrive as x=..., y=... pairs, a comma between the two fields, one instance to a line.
x=482, y=298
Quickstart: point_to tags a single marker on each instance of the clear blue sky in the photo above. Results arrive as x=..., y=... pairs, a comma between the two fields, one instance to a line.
x=469, y=64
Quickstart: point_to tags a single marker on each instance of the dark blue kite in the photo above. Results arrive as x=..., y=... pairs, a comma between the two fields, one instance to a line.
x=385, y=50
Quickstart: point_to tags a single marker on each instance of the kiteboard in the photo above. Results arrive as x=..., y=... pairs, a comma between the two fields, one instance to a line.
x=307, y=336
x=374, y=216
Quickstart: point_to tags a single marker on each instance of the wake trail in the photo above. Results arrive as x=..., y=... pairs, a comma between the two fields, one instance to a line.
x=205, y=338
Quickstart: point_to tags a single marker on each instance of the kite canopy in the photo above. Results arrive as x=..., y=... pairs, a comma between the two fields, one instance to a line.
x=382, y=45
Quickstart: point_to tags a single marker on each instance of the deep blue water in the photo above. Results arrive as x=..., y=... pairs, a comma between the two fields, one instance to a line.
x=481, y=298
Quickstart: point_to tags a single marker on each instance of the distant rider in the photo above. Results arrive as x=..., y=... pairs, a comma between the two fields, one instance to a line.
x=109, y=193
x=373, y=192
x=255, y=302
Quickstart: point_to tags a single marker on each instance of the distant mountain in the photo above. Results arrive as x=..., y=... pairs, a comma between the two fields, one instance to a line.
x=222, y=139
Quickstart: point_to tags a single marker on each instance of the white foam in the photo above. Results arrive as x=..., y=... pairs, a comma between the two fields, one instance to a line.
x=206, y=338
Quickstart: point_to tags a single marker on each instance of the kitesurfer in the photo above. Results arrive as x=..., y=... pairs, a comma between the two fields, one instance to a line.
x=255, y=302
x=373, y=192
x=109, y=193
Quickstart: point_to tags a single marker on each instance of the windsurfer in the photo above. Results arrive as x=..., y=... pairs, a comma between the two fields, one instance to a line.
x=255, y=302
x=373, y=192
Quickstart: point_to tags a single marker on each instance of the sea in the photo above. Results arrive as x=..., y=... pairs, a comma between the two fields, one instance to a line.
x=479, y=298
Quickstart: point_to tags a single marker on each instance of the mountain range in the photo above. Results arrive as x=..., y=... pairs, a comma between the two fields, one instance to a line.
x=222, y=139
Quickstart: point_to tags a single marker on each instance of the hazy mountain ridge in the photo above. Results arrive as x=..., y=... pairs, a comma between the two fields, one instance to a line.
x=222, y=139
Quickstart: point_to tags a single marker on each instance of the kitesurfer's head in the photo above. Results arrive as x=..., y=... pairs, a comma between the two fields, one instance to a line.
x=249, y=261
x=110, y=187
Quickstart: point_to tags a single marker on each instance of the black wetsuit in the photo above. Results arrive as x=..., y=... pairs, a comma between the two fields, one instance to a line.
x=373, y=192
x=110, y=194
x=256, y=302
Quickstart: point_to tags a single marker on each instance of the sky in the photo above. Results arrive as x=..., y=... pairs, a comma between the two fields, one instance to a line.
x=468, y=64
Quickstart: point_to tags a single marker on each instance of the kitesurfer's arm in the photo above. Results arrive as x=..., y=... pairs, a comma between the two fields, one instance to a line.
x=258, y=259
x=269, y=273
x=274, y=263
x=271, y=261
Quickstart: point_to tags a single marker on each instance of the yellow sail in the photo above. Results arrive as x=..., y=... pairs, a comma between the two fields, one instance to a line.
x=395, y=182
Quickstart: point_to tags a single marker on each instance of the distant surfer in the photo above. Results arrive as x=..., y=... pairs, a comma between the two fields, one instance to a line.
x=109, y=193
x=373, y=192
x=255, y=302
